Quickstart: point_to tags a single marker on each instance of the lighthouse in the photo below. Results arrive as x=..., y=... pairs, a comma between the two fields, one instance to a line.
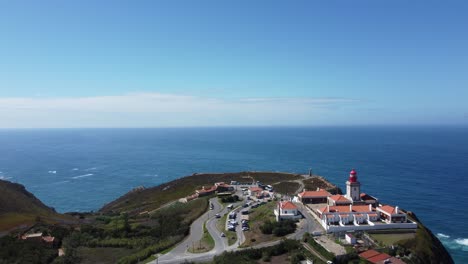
x=353, y=187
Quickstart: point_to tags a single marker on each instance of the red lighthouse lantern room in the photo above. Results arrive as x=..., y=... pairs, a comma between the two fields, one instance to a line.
x=353, y=176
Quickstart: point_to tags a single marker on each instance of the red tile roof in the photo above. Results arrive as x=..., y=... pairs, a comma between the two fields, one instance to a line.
x=287, y=205
x=369, y=253
x=48, y=239
x=255, y=189
x=388, y=209
x=339, y=198
x=322, y=210
x=319, y=193
x=362, y=208
x=380, y=257
x=374, y=256
x=347, y=209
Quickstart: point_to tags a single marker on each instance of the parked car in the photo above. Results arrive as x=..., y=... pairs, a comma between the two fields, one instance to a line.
x=244, y=221
x=230, y=206
x=223, y=235
x=245, y=228
x=218, y=215
x=245, y=212
x=232, y=215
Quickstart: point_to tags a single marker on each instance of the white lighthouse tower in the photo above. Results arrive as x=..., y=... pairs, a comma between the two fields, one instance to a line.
x=353, y=187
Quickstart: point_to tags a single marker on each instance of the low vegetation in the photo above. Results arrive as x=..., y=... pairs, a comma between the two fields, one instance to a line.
x=20, y=207
x=391, y=239
x=147, y=199
x=229, y=199
x=141, y=236
x=315, y=182
x=319, y=248
x=288, y=187
x=293, y=249
x=13, y=250
x=423, y=248
x=256, y=218
x=280, y=228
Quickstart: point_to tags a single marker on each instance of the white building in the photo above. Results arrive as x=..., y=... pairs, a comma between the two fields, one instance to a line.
x=356, y=211
x=286, y=210
x=392, y=214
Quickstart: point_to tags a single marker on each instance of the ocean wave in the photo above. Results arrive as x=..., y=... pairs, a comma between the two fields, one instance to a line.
x=440, y=235
x=52, y=172
x=83, y=176
x=60, y=182
x=4, y=178
x=90, y=169
x=75, y=169
x=462, y=241
x=454, y=244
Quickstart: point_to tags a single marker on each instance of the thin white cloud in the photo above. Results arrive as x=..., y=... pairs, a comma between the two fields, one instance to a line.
x=156, y=110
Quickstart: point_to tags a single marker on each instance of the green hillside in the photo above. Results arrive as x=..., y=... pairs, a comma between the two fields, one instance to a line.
x=147, y=199
x=18, y=207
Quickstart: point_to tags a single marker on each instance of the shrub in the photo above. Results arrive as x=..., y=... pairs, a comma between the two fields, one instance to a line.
x=280, y=228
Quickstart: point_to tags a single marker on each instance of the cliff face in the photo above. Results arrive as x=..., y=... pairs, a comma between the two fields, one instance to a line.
x=18, y=207
x=426, y=247
x=14, y=198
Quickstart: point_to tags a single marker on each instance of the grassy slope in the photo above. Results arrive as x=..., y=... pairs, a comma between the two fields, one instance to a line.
x=311, y=184
x=289, y=188
x=154, y=197
x=256, y=218
x=20, y=207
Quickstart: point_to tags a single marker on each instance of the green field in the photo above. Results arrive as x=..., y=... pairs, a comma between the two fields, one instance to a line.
x=391, y=239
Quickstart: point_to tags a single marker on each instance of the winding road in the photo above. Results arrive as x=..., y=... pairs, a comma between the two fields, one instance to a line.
x=180, y=253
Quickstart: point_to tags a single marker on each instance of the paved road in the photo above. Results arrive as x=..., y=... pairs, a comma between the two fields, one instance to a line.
x=180, y=252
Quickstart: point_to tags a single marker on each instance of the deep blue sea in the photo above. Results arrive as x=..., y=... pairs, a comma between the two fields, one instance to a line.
x=423, y=169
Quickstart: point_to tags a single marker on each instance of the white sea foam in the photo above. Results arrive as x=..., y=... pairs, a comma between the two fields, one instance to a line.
x=4, y=178
x=60, y=182
x=75, y=169
x=462, y=241
x=91, y=169
x=83, y=176
x=454, y=244
x=53, y=172
x=440, y=235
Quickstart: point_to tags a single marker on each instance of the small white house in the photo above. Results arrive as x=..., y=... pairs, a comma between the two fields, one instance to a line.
x=350, y=238
x=286, y=210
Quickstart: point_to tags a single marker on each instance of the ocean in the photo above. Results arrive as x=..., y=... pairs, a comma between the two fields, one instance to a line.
x=422, y=169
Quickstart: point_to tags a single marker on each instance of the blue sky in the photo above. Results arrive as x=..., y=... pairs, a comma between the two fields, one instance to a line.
x=210, y=63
